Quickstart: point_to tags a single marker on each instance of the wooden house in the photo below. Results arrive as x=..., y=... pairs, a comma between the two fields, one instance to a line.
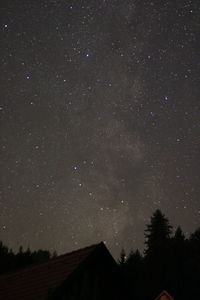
x=85, y=274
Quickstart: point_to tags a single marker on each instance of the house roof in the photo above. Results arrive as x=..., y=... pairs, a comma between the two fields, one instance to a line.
x=164, y=296
x=34, y=282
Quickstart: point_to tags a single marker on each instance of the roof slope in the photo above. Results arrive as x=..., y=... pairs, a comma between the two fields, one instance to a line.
x=164, y=296
x=34, y=282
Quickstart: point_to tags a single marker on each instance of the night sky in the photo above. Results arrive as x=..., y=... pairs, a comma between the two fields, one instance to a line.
x=100, y=120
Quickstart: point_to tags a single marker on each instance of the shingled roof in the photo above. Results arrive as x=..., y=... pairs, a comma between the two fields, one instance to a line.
x=36, y=281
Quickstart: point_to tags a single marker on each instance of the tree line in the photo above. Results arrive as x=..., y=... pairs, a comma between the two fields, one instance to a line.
x=170, y=262
x=10, y=261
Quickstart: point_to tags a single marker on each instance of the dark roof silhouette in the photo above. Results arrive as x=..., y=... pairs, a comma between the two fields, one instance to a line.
x=36, y=281
x=164, y=296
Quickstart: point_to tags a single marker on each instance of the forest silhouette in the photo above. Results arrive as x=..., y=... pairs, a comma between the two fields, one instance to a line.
x=170, y=262
x=10, y=261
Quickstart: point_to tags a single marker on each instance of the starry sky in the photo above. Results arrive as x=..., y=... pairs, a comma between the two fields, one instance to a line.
x=100, y=120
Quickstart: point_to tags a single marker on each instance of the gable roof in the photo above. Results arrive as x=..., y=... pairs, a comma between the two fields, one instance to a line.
x=164, y=296
x=34, y=282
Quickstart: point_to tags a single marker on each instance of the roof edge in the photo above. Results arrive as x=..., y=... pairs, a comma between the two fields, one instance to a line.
x=164, y=293
x=36, y=265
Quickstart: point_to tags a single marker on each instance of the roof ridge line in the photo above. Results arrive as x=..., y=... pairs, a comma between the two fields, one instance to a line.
x=35, y=265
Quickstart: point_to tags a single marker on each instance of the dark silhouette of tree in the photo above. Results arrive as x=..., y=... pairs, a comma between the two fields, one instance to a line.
x=157, y=255
x=179, y=235
x=192, y=266
x=157, y=233
x=170, y=262
x=10, y=261
x=176, y=268
x=195, y=238
x=133, y=274
x=134, y=258
x=179, y=246
x=6, y=258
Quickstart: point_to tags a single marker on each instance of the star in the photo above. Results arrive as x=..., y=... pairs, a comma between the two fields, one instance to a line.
x=99, y=121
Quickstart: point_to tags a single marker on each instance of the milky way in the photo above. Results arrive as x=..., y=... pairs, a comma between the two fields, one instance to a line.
x=100, y=120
